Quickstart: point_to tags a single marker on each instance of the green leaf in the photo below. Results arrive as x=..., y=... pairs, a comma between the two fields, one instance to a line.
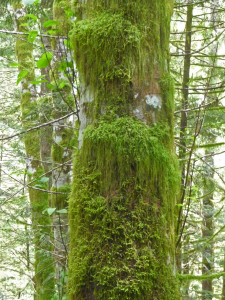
x=44, y=179
x=15, y=65
x=38, y=81
x=21, y=75
x=62, y=84
x=69, y=13
x=32, y=36
x=62, y=211
x=52, y=31
x=24, y=24
x=49, y=210
x=32, y=17
x=50, y=23
x=51, y=87
x=45, y=60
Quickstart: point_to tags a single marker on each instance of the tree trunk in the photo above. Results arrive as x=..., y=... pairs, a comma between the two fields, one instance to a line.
x=181, y=260
x=209, y=185
x=63, y=136
x=45, y=101
x=44, y=271
x=126, y=174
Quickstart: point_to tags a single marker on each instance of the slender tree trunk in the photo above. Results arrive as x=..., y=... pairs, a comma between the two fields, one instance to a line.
x=63, y=136
x=207, y=232
x=223, y=287
x=44, y=271
x=45, y=101
x=183, y=142
x=126, y=174
x=208, y=207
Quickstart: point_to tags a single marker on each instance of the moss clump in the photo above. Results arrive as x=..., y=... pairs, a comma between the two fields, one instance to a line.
x=122, y=224
x=94, y=39
x=121, y=40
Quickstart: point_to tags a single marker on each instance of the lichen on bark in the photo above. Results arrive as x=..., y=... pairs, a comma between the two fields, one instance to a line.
x=126, y=174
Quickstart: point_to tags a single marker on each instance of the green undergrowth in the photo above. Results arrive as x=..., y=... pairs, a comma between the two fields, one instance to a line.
x=121, y=211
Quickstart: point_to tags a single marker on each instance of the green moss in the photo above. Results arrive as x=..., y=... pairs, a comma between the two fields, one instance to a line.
x=87, y=38
x=119, y=47
x=167, y=114
x=126, y=174
x=122, y=225
x=114, y=28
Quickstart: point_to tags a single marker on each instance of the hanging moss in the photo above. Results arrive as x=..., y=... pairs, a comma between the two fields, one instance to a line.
x=124, y=182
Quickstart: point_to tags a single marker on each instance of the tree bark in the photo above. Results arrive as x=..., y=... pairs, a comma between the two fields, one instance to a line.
x=126, y=174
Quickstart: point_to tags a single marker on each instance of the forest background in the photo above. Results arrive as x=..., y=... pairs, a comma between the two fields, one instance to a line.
x=42, y=69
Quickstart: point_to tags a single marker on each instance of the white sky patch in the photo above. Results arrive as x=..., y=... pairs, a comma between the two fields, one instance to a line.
x=27, y=2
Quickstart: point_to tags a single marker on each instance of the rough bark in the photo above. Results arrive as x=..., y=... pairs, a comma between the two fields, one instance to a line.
x=126, y=174
x=44, y=271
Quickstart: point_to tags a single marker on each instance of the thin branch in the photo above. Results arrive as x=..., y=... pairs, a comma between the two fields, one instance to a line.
x=39, y=126
x=23, y=33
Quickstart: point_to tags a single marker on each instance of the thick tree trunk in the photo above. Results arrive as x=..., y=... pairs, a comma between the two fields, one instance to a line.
x=126, y=174
x=44, y=270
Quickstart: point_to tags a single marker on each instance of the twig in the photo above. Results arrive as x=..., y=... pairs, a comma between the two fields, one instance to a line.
x=23, y=33
x=39, y=126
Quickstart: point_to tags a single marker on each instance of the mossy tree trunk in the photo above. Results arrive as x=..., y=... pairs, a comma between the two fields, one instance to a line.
x=62, y=142
x=126, y=175
x=45, y=101
x=44, y=271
